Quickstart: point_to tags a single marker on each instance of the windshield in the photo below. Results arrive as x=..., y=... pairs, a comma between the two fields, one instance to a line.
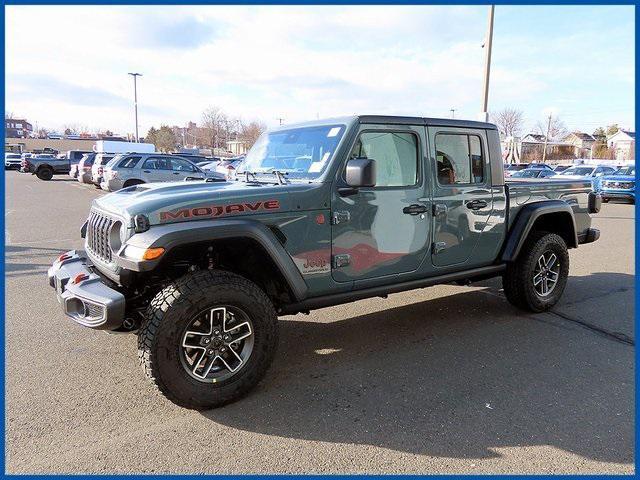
x=626, y=171
x=579, y=171
x=301, y=152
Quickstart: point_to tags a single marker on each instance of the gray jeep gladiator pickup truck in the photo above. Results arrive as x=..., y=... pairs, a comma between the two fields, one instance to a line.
x=319, y=214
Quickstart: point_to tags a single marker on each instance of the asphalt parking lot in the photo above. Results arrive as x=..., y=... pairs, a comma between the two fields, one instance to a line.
x=442, y=380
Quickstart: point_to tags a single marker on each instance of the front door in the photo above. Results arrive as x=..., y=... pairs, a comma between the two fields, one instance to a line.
x=462, y=196
x=383, y=230
x=182, y=169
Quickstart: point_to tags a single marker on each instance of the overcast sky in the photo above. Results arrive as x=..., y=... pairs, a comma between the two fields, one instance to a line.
x=69, y=64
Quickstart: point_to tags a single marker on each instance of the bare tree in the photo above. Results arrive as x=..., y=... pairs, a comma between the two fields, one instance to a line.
x=249, y=133
x=509, y=121
x=214, y=126
x=557, y=128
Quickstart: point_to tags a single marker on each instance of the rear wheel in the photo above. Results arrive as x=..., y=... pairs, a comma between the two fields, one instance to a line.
x=208, y=339
x=536, y=280
x=44, y=173
x=130, y=183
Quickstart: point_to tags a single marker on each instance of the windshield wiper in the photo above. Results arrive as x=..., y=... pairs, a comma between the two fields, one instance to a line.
x=280, y=176
x=246, y=176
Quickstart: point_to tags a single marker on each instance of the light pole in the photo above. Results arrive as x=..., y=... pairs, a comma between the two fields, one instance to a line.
x=487, y=65
x=135, y=99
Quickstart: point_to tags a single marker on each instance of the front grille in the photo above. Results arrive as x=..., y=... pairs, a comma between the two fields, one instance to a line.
x=621, y=185
x=98, y=228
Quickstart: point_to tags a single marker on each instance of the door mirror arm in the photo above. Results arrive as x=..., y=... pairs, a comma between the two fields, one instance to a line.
x=347, y=191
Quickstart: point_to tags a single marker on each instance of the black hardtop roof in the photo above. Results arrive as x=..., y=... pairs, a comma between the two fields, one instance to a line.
x=441, y=122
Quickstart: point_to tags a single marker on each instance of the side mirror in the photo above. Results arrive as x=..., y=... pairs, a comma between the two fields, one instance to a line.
x=361, y=172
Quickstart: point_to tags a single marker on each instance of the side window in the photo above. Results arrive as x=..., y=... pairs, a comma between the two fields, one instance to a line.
x=157, y=163
x=150, y=164
x=129, y=162
x=459, y=159
x=396, y=156
x=181, y=165
x=164, y=163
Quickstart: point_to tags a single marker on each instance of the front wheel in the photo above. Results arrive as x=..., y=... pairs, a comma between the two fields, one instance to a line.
x=537, y=278
x=208, y=339
x=45, y=173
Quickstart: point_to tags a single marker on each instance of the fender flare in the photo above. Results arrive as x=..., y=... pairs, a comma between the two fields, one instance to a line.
x=174, y=235
x=525, y=220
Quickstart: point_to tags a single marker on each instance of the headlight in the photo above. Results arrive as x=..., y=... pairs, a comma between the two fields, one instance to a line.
x=116, y=236
x=138, y=253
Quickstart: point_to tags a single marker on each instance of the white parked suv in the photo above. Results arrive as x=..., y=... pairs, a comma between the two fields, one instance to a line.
x=97, y=169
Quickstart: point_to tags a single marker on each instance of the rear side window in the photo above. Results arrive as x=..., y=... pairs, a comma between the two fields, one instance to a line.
x=157, y=163
x=129, y=162
x=459, y=159
x=395, y=154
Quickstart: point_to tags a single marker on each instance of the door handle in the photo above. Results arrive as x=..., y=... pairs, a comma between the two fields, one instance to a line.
x=476, y=204
x=146, y=171
x=415, y=209
x=176, y=173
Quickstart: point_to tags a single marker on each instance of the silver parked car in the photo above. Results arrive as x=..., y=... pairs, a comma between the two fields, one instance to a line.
x=135, y=168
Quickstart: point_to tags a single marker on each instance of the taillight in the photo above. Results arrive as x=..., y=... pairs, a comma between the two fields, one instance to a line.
x=86, y=169
x=100, y=170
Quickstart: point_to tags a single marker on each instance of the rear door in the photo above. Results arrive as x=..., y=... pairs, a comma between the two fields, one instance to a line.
x=157, y=169
x=462, y=196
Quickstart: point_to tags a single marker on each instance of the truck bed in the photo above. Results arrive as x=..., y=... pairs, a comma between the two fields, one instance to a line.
x=528, y=190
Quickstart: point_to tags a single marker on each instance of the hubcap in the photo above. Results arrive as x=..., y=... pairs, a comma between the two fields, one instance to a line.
x=217, y=344
x=546, y=274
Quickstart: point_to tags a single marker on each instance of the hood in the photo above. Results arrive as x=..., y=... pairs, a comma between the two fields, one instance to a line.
x=619, y=178
x=197, y=200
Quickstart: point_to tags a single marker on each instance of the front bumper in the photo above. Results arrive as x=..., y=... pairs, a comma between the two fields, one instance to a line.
x=618, y=194
x=89, y=302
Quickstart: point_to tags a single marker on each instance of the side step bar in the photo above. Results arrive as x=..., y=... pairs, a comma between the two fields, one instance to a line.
x=345, y=297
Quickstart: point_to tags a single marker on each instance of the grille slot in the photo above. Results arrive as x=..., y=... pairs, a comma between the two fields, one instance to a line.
x=98, y=236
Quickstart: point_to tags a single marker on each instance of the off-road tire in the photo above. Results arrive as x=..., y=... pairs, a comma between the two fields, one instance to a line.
x=517, y=281
x=170, y=312
x=44, y=173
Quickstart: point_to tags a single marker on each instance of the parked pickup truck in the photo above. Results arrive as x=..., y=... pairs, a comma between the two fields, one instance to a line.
x=319, y=214
x=46, y=166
